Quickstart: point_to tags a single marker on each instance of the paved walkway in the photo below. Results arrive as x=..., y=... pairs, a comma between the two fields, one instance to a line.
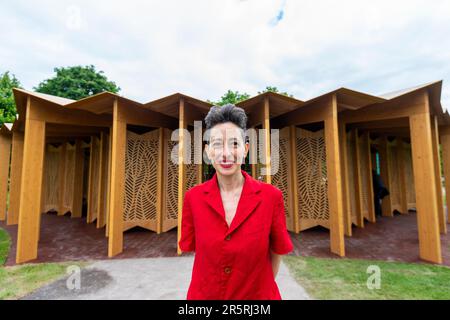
x=152, y=278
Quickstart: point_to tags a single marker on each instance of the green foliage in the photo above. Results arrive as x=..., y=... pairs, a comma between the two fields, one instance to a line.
x=7, y=104
x=275, y=90
x=232, y=97
x=76, y=83
x=5, y=244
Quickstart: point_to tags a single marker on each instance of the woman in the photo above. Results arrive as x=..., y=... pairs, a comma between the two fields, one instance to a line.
x=234, y=223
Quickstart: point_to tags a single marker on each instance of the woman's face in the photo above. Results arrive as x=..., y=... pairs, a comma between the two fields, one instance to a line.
x=226, y=150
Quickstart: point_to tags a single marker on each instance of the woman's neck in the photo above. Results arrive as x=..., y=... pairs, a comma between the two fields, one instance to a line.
x=231, y=183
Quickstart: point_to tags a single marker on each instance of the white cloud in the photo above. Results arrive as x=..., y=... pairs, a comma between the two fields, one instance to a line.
x=203, y=48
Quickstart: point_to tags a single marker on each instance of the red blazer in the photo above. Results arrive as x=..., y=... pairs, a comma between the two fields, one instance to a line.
x=233, y=263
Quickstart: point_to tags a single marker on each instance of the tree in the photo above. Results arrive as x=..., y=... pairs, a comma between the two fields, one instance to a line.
x=7, y=104
x=76, y=83
x=232, y=97
x=275, y=90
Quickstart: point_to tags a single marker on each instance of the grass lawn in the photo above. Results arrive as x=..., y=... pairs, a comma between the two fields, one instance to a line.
x=17, y=281
x=347, y=279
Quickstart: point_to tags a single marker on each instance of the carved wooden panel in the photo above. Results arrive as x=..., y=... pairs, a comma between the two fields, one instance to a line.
x=51, y=178
x=281, y=179
x=312, y=179
x=69, y=177
x=141, y=164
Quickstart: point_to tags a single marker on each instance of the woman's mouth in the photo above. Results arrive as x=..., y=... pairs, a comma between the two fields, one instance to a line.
x=226, y=165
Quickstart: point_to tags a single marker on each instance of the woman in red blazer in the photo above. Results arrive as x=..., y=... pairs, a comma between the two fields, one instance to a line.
x=235, y=224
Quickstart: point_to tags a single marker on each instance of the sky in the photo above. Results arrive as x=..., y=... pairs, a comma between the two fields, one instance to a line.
x=202, y=48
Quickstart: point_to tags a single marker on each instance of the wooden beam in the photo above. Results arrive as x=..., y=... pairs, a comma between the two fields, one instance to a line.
x=103, y=180
x=62, y=178
x=267, y=141
x=438, y=170
x=294, y=179
x=145, y=117
x=5, y=152
x=15, y=178
x=445, y=142
x=119, y=134
x=77, y=200
x=425, y=184
x=345, y=179
x=181, y=168
x=385, y=174
x=358, y=181
x=315, y=112
x=368, y=173
x=31, y=184
x=335, y=195
x=401, y=167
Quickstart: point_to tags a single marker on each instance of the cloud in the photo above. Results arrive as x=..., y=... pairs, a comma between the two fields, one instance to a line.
x=203, y=48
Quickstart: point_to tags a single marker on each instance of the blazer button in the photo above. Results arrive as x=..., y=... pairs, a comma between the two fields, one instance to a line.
x=228, y=237
x=227, y=270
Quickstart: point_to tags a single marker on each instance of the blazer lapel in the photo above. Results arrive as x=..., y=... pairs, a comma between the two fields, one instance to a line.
x=249, y=200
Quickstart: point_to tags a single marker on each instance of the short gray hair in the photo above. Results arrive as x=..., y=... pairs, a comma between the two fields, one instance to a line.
x=226, y=113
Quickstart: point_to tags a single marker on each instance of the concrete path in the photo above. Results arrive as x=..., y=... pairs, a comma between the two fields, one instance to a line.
x=142, y=279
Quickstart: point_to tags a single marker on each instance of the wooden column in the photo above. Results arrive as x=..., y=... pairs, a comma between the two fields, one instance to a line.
x=425, y=183
x=181, y=167
x=78, y=180
x=368, y=173
x=401, y=167
x=335, y=194
x=386, y=203
x=5, y=152
x=118, y=145
x=103, y=181
x=294, y=179
x=358, y=181
x=31, y=184
x=266, y=150
x=15, y=178
x=345, y=183
x=445, y=142
x=438, y=170
x=160, y=182
x=62, y=178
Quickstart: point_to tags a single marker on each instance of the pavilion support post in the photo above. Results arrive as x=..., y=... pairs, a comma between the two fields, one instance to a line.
x=31, y=184
x=386, y=204
x=62, y=178
x=15, y=177
x=425, y=182
x=160, y=182
x=267, y=140
x=181, y=167
x=294, y=179
x=358, y=181
x=445, y=142
x=103, y=181
x=335, y=194
x=401, y=167
x=368, y=173
x=77, y=201
x=438, y=170
x=5, y=152
x=345, y=181
x=116, y=206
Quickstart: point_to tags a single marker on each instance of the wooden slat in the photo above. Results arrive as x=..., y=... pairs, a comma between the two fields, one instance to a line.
x=293, y=173
x=335, y=195
x=425, y=184
x=31, y=184
x=368, y=173
x=401, y=167
x=181, y=169
x=358, y=181
x=5, y=152
x=345, y=180
x=386, y=203
x=445, y=142
x=266, y=147
x=103, y=181
x=437, y=170
x=62, y=179
x=115, y=243
x=77, y=201
x=15, y=178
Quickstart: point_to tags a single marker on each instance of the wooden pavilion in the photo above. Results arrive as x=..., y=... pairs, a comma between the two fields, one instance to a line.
x=115, y=153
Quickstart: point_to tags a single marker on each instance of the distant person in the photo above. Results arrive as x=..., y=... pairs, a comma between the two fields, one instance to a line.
x=379, y=191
